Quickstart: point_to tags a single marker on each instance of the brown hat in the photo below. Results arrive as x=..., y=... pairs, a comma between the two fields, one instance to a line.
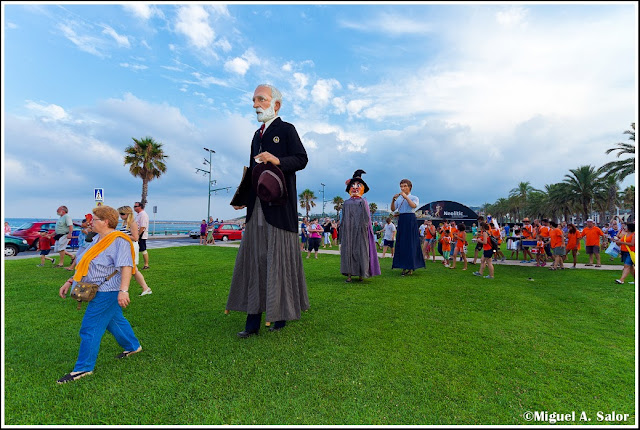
x=269, y=183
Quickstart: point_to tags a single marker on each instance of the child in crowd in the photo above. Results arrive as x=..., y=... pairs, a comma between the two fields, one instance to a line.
x=540, y=253
x=461, y=244
x=445, y=240
x=44, y=245
x=315, y=235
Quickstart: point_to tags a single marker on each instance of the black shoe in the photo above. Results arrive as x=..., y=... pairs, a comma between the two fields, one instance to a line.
x=274, y=328
x=245, y=334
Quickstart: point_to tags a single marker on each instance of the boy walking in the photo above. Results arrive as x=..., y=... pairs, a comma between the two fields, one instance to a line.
x=44, y=245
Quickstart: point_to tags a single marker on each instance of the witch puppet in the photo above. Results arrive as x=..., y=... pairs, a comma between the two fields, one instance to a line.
x=358, y=255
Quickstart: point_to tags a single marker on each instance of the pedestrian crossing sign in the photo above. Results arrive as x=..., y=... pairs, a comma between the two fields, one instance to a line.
x=98, y=194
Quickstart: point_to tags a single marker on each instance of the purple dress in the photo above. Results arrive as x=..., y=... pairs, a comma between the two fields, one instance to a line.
x=358, y=255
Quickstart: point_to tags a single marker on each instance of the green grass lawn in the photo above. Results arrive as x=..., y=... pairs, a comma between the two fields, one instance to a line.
x=441, y=347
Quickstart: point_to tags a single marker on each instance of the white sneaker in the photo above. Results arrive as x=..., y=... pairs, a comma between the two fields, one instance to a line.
x=144, y=293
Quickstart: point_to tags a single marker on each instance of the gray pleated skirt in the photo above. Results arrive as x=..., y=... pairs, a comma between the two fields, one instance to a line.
x=268, y=275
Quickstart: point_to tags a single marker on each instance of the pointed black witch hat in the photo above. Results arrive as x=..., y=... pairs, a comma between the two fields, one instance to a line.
x=357, y=177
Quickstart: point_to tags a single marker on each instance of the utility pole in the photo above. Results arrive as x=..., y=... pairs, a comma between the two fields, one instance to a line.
x=211, y=151
x=322, y=199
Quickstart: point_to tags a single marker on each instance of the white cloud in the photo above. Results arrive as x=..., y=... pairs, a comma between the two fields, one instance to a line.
x=322, y=91
x=512, y=16
x=241, y=65
x=134, y=66
x=120, y=40
x=390, y=23
x=193, y=22
x=84, y=43
x=49, y=112
x=142, y=10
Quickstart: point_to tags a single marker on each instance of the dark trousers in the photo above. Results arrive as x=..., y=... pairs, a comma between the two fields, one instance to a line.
x=253, y=323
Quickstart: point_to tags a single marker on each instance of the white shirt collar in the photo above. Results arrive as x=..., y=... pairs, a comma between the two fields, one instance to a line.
x=268, y=123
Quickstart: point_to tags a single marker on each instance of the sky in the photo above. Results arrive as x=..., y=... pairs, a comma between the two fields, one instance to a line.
x=466, y=100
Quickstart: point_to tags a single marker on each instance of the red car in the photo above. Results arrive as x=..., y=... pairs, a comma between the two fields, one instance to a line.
x=30, y=231
x=227, y=231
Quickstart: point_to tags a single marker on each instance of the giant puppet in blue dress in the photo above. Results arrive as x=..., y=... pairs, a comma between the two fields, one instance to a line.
x=358, y=254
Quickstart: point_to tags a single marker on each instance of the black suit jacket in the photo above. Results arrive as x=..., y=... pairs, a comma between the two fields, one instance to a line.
x=280, y=139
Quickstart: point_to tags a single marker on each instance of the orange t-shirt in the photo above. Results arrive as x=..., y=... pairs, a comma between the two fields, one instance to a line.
x=486, y=246
x=527, y=231
x=592, y=235
x=556, y=238
x=629, y=238
x=545, y=231
x=446, y=243
x=572, y=240
x=460, y=239
x=496, y=233
x=427, y=232
x=540, y=246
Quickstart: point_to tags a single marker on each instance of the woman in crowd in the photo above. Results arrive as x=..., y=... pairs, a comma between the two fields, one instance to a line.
x=108, y=262
x=487, y=252
x=627, y=242
x=408, y=255
x=573, y=242
x=130, y=227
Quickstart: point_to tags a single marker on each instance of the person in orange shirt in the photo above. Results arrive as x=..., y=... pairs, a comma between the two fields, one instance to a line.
x=461, y=241
x=545, y=231
x=540, y=260
x=573, y=242
x=429, y=241
x=495, y=232
x=592, y=235
x=556, y=241
x=487, y=252
x=627, y=243
x=477, y=238
x=445, y=240
x=526, y=234
x=453, y=230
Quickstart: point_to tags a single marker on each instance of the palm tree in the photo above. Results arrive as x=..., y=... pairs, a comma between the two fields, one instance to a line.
x=584, y=183
x=146, y=160
x=337, y=203
x=373, y=208
x=626, y=167
x=307, y=200
x=558, y=201
x=628, y=198
x=520, y=194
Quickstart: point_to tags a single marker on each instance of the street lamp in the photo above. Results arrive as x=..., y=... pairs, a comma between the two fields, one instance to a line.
x=322, y=199
x=211, y=151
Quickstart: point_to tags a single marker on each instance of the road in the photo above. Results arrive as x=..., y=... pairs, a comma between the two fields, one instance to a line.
x=155, y=243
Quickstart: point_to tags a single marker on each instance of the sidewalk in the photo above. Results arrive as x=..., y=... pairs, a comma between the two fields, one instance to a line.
x=459, y=263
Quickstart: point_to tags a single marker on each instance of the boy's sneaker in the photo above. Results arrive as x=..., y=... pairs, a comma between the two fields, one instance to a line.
x=40, y=265
x=477, y=273
x=488, y=277
x=524, y=261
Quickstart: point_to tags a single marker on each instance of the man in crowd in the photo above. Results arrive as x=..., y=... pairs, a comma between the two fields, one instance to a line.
x=592, y=235
x=142, y=219
x=278, y=288
x=63, y=234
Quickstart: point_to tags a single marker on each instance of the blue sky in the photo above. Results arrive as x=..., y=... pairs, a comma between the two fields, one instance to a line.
x=465, y=100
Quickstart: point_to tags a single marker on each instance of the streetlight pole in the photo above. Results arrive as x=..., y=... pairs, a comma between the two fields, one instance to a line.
x=322, y=199
x=211, y=151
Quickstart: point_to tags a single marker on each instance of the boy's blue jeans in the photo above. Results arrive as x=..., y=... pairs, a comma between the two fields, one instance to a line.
x=103, y=313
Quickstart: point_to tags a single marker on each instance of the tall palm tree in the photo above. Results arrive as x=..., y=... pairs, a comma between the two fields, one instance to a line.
x=584, y=183
x=146, y=159
x=337, y=203
x=521, y=193
x=558, y=200
x=626, y=167
x=628, y=198
x=373, y=208
x=307, y=200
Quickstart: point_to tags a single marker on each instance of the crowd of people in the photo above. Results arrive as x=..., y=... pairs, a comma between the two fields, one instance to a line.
x=268, y=276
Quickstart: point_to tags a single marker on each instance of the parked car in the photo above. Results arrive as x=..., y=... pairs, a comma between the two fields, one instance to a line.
x=30, y=231
x=227, y=231
x=223, y=231
x=13, y=245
